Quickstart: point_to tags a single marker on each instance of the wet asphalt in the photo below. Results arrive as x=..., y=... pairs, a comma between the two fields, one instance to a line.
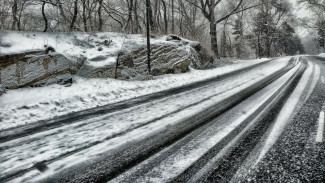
x=296, y=156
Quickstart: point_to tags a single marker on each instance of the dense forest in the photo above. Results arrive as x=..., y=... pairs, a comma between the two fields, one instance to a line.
x=231, y=28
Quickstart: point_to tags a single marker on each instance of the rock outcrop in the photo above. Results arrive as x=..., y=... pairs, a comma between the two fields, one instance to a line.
x=171, y=57
x=203, y=59
x=133, y=65
x=34, y=68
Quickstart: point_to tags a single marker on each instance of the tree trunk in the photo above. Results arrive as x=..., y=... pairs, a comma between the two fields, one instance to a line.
x=241, y=38
x=152, y=19
x=173, y=17
x=84, y=18
x=157, y=16
x=193, y=30
x=74, y=15
x=165, y=16
x=213, y=35
x=20, y=14
x=136, y=18
x=259, y=46
x=90, y=17
x=268, y=46
x=229, y=46
x=100, y=28
x=62, y=13
x=223, y=43
x=129, y=23
x=14, y=15
x=224, y=46
x=44, y=17
x=148, y=7
x=181, y=25
x=19, y=24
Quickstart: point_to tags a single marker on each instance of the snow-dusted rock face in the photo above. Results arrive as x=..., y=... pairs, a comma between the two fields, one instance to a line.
x=165, y=59
x=133, y=65
x=107, y=55
x=204, y=59
x=172, y=57
x=34, y=68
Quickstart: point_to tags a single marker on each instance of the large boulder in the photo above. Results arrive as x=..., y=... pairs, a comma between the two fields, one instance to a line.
x=165, y=59
x=133, y=64
x=35, y=68
x=202, y=58
x=173, y=56
x=205, y=60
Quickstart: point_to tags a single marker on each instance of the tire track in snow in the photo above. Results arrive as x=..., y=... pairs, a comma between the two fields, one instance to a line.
x=5, y=147
x=21, y=131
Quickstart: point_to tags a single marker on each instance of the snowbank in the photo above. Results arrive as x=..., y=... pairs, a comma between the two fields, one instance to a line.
x=322, y=55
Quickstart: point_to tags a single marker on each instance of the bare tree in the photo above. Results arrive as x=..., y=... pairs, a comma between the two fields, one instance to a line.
x=44, y=16
x=100, y=19
x=14, y=15
x=165, y=16
x=137, y=26
x=62, y=11
x=129, y=24
x=74, y=15
x=208, y=8
x=173, y=16
x=84, y=17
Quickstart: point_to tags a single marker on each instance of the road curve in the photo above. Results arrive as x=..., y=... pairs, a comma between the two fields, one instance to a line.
x=138, y=159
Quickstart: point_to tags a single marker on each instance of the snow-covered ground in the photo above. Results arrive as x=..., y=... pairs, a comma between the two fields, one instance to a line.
x=321, y=55
x=29, y=105
x=63, y=148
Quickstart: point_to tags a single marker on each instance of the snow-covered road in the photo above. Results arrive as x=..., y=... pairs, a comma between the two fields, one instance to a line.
x=64, y=150
x=30, y=105
x=219, y=130
x=84, y=142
